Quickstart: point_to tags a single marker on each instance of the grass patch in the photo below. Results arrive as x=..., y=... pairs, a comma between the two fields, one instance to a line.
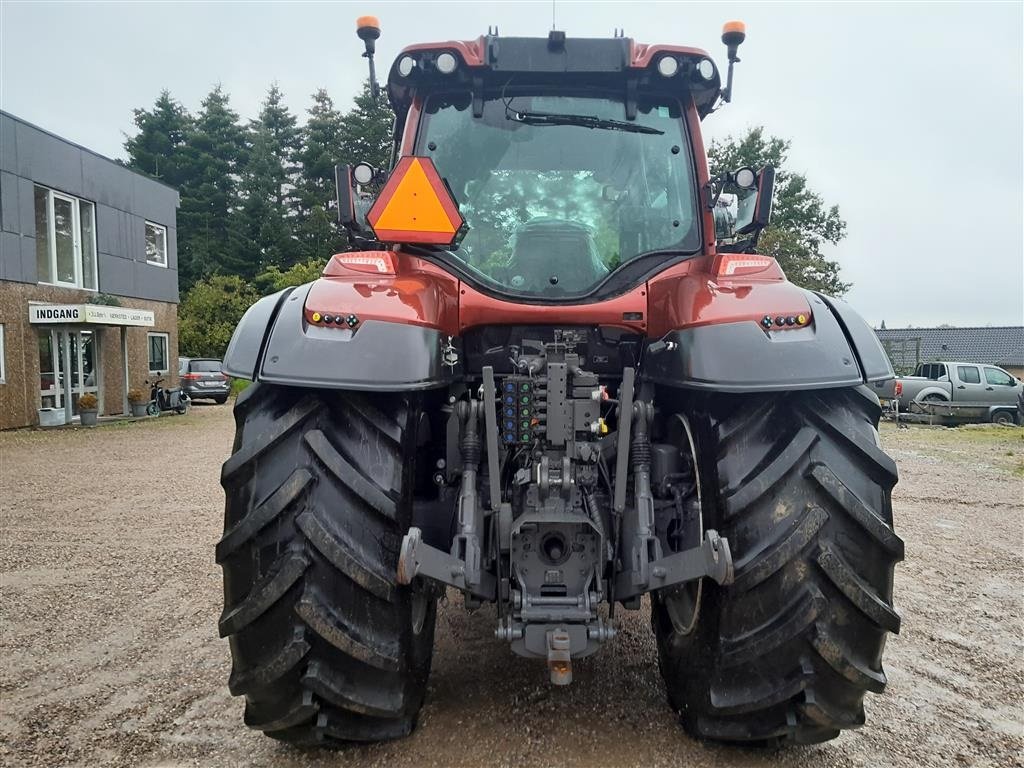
x=987, y=433
x=979, y=434
x=237, y=385
x=163, y=420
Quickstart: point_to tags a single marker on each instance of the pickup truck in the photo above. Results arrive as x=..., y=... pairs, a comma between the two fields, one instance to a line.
x=957, y=383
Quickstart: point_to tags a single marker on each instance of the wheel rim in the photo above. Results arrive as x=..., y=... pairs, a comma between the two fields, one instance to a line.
x=682, y=604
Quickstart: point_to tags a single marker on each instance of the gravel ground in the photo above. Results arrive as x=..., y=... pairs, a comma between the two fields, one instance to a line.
x=110, y=599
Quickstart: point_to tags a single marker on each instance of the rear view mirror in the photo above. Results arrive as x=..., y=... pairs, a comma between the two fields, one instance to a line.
x=754, y=210
x=346, y=201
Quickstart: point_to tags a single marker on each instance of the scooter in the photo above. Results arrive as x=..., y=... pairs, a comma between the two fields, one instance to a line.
x=166, y=399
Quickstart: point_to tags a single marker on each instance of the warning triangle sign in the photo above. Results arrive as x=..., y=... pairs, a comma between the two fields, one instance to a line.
x=415, y=206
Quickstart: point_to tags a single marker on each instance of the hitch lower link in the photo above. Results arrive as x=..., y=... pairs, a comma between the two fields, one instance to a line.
x=417, y=558
x=462, y=568
x=645, y=568
x=712, y=559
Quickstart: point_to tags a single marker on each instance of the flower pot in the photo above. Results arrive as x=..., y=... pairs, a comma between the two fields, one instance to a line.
x=139, y=409
x=88, y=417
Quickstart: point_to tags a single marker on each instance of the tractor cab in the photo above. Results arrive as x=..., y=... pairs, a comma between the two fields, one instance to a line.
x=598, y=138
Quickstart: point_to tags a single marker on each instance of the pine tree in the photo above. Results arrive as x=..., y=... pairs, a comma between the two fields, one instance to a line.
x=317, y=231
x=208, y=237
x=264, y=227
x=801, y=222
x=321, y=150
x=284, y=143
x=268, y=186
x=366, y=130
x=156, y=149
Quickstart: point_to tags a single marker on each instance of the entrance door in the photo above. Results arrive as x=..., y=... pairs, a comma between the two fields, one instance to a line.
x=80, y=367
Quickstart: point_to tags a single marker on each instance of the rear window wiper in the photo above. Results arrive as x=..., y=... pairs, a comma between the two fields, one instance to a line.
x=584, y=121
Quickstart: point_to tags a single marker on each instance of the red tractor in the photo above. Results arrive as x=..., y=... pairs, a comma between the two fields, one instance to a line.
x=541, y=378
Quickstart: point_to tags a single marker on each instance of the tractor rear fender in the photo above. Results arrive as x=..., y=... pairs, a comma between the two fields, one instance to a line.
x=284, y=338
x=246, y=343
x=836, y=348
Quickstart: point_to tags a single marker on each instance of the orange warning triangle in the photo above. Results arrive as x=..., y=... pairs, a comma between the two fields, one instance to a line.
x=415, y=206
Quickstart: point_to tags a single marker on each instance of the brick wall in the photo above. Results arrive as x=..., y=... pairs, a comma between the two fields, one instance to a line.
x=19, y=396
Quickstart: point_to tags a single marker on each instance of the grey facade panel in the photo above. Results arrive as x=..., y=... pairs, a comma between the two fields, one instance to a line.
x=135, y=243
x=29, y=270
x=116, y=275
x=10, y=212
x=172, y=248
x=103, y=182
x=152, y=202
x=157, y=283
x=124, y=229
x=47, y=160
x=8, y=145
x=17, y=258
x=10, y=256
x=108, y=229
x=27, y=206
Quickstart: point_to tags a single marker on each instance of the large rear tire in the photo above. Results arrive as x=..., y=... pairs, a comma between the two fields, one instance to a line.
x=325, y=645
x=801, y=488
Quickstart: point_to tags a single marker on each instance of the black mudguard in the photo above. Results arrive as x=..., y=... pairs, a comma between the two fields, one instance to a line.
x=837, y=350
x=274, y=343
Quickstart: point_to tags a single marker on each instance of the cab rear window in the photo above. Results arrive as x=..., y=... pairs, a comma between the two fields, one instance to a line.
x=933, y=371
x=205, y=366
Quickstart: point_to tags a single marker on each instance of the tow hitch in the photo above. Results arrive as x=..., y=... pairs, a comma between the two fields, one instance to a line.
x=712, y=559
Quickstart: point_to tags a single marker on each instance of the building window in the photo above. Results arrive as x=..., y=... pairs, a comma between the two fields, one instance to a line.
x=65, y=239
x=156, y=244
x=158, y=353
x=3, y=357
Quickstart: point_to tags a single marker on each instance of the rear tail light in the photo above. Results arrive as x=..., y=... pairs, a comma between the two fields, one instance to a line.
x=740, y=264
x=225, y=376
x=190, y=377
x=374, y=262
x=898, y=389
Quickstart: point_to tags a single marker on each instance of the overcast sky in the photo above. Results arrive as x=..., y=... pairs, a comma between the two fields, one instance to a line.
x=907, y=116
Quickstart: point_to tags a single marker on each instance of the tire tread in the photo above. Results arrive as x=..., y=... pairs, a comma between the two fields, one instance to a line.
x=318, y=496
x=801, y=488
